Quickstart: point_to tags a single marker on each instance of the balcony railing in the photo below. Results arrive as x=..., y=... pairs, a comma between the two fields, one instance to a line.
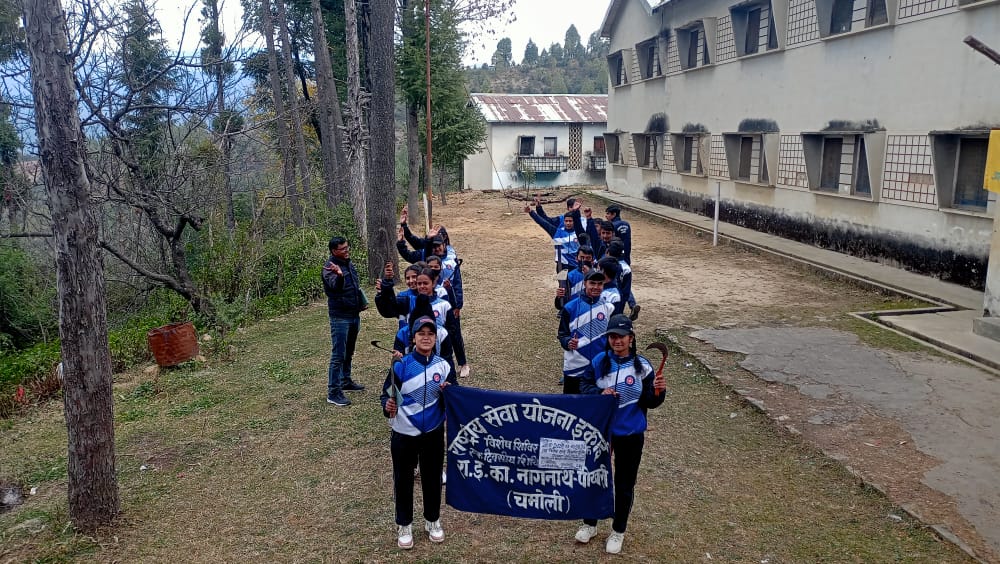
x=598, y=162
x=542, y=164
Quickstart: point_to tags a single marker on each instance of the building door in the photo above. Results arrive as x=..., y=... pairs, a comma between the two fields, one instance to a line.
x=575, y=146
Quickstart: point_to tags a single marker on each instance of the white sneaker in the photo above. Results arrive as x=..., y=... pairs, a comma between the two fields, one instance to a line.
x=615, y=541
x=405, y=540
x=585, y=533
x=464, y=371
x=434, y=530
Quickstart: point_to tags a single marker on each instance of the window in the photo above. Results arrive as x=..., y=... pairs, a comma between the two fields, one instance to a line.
x=646, y=148
x=687, y=148
x=526, y=146
x=550, y=147
x=753, y=27
x=752, y=42
x=840, y=16
x=649, y=59
x=833, y=151
x=693, y=46
x=746, y=155
x=616, y=69
x=599, y=146
x=877, y=13
x=838, y=162
x=970, y=173
x=613, y=152
x=843, y=13
x=959, y=159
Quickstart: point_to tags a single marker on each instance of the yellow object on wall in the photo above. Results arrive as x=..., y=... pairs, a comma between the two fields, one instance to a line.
x=992, y=180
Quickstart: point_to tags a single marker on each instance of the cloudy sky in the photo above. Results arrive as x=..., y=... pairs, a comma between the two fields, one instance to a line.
x=544, y=21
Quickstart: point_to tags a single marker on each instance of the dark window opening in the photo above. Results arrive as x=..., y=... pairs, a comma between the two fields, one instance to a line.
x=688, y=154
x=830, y=175
x=526, y=146
x=612, y=149
x=969, y=176
x=764, y=177
x=746, y=158
x=843, y=13
x=772, y=33
x=862, y=179
x=616, y=69
x=692, y=54
x=877, y=13
x=550, y=146
x=753, y=31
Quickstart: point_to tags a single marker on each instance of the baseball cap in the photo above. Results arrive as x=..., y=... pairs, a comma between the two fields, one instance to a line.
x=422, y=321
x=595, y=275
x=620, y=325
x=437, y=241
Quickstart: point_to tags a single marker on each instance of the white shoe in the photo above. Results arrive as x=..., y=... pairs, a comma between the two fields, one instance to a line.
x=464, y=371
x=615, y=541
x=585, y=533
x=434, y=530
x=405, y=540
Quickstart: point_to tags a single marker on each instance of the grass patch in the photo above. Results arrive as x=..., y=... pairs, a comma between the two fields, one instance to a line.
x=880, y=337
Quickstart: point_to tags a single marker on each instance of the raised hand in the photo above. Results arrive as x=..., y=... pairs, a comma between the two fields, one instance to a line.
x=389, y=272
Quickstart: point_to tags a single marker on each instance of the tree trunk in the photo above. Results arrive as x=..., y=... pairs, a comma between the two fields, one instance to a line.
x=284, y=142
x=330, y=119
x=357, y=135
x=293, y=101
x=88, y=399
x=413, y=157
x=225, y=141
x=382, y=179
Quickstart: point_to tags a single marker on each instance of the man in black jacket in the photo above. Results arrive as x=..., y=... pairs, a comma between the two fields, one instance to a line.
x=344, y=302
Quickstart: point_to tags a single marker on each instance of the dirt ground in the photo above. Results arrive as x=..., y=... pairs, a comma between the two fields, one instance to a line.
x=684, y=283
x=242, y=459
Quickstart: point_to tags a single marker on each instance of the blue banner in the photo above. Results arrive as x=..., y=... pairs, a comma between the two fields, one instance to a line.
x=539, y=456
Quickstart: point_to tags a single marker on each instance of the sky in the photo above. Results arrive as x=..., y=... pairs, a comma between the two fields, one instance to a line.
x=544, y=21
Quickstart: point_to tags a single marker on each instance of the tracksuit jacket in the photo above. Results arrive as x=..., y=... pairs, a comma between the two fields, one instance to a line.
x=564, y=241
x=417, y=379
x=632, y=377
x=586, y=319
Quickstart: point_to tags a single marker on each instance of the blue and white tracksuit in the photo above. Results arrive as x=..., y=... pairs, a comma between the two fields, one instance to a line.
x=585, y=319
x=613, y=296
x=632, y=378
x=564, y=242
x=414, y=382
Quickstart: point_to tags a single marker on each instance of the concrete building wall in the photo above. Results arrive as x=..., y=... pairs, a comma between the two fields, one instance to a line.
x=503, y=144
x=912, y=76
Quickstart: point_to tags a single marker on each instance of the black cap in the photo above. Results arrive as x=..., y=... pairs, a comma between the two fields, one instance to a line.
x=595, y=275
x=620, y=325
x=437, y=241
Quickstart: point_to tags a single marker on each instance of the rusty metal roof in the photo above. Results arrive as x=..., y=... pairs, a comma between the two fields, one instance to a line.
x=543, y=108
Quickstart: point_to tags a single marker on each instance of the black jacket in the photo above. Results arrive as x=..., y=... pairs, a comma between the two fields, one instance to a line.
x=343, y=293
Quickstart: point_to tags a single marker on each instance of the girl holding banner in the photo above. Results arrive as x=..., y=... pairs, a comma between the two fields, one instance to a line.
x=412, y=398
x=621, y=372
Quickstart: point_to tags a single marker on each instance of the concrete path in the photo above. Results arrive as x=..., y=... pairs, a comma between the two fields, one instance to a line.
x=949, y=411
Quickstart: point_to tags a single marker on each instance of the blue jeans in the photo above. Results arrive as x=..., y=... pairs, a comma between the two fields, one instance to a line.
x=343, y=338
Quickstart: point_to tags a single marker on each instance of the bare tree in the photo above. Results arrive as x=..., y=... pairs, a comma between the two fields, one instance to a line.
x=284, y=135
x=331, y=122
x=382, y=178
x=357, y=132
x=93, y=487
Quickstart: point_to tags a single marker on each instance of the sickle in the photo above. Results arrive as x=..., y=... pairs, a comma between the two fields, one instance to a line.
x=378, y=345
x=663, y=349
